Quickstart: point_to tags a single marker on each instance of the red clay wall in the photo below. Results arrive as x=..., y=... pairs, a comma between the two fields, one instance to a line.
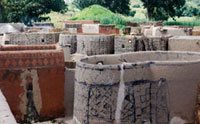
x=33, y=81
x=107, y=29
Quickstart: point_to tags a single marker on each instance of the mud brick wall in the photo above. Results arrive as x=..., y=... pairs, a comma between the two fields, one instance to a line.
x=127, y=30
x=44, y=24
x=198, y=106
x=1, y=40
x=196, y=31
x=184, y=43
x=70, y=39
x=31, y=38
x=73, y=28
x=82, y=22
x=157, y=31
x=95, y=44
x=69, y=91
x=107, y=29
x=132, y=44
x=32, y=80
x=137, y=88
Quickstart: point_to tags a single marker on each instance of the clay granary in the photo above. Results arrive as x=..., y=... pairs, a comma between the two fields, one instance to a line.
x=92, y=73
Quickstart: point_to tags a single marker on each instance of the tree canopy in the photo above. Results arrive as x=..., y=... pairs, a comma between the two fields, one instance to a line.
x=118, y=6
x=27, y=11
x=162, y=9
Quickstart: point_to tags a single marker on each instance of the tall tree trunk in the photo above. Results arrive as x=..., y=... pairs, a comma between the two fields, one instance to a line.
x=1, y=13
x=149, y=13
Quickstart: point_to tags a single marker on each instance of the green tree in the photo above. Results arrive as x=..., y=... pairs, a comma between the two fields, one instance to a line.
x=28, y=11
x=162, y=9
x=118, y=6
x=188, y=10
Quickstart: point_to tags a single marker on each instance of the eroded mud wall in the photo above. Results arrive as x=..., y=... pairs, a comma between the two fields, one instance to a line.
x=33, y=82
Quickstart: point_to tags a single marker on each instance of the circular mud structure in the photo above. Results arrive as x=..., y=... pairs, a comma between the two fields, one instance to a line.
x=143, y=87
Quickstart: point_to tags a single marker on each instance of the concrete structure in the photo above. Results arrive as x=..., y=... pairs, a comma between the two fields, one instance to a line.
x=69, y=39
x=184, y=43
x=95, y=44
x=6, y=116
x=132, y=44
x=31, y=38
x=143, y=87
x=32, y=80
x=11, y=27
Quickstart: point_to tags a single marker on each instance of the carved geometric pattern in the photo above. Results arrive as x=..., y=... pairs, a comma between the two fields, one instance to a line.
x=144, y=102
x=30, y=56
x=102, y=103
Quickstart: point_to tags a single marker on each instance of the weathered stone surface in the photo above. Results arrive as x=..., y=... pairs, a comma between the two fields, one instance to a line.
x=184, y=43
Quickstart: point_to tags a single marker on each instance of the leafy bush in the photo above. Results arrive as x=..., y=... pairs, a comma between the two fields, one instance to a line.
x=27, y=11
x=136, y=6
x=132, y=13
x=117, y=6
x=189, y=11
x=105, y=16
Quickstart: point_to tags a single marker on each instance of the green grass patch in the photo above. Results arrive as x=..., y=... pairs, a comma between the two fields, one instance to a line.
x=105, y=16
x=185, y=21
